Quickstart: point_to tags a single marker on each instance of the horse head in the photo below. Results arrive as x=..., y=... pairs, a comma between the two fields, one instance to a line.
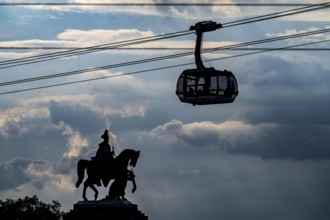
x=134, y=158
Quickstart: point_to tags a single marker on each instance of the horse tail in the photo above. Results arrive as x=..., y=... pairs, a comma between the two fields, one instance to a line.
x=81, y=166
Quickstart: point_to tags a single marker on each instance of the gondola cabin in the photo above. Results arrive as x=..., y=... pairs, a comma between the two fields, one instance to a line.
x=206, y=86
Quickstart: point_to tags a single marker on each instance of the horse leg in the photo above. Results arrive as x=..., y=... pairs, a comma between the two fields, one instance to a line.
x=89, y=183
x=86, y=184
x=96, y=193
x=81, y=166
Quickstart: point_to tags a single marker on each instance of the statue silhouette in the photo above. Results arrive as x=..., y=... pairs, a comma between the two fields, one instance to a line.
x=112, y=169
x=104, y=167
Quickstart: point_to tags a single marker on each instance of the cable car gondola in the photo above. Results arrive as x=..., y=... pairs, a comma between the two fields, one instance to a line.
x=205, y=86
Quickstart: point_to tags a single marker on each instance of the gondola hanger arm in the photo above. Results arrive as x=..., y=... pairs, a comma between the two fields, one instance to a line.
x=200, y=28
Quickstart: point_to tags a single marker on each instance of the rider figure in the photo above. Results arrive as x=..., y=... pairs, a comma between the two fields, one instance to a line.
x=104, y=153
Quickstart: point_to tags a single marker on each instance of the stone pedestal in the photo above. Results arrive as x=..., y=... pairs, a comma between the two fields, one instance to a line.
x=105, y=210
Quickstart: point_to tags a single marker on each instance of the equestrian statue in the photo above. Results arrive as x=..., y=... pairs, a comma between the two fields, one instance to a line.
x=105, y=167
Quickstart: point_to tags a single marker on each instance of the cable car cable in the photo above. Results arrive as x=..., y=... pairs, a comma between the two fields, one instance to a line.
x=268, y=40
x=102, y=46
x=155, y=69
x=158, y=58
x=28, y=60
x=156, y=4
x=74, y=52
x=292, y=47
x=277, y=14
x=159, y=48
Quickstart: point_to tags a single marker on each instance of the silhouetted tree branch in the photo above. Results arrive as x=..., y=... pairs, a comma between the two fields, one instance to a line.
x=30, y=208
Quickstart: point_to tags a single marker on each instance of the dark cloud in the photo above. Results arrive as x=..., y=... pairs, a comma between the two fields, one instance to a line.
x=32, y=138
x=286, y=115
x=277, y=73
x=269, y=141
x=291, y=95
x=66, y=165
x=287, y=142
x=13, y=173
x=78, y=117
x=275, y=80
x=186, y=184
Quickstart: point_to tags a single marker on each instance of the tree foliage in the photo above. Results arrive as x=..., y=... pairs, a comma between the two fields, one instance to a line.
x=29, y=208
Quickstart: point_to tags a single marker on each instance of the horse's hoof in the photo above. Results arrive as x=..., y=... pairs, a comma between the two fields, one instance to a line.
x=78, y=184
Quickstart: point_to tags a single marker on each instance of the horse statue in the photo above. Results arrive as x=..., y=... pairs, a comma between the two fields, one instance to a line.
x=106, y=170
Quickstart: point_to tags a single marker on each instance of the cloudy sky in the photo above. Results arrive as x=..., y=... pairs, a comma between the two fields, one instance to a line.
x=264, y=157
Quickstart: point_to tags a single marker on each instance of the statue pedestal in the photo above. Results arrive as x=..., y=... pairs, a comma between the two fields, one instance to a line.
x=105, y=210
